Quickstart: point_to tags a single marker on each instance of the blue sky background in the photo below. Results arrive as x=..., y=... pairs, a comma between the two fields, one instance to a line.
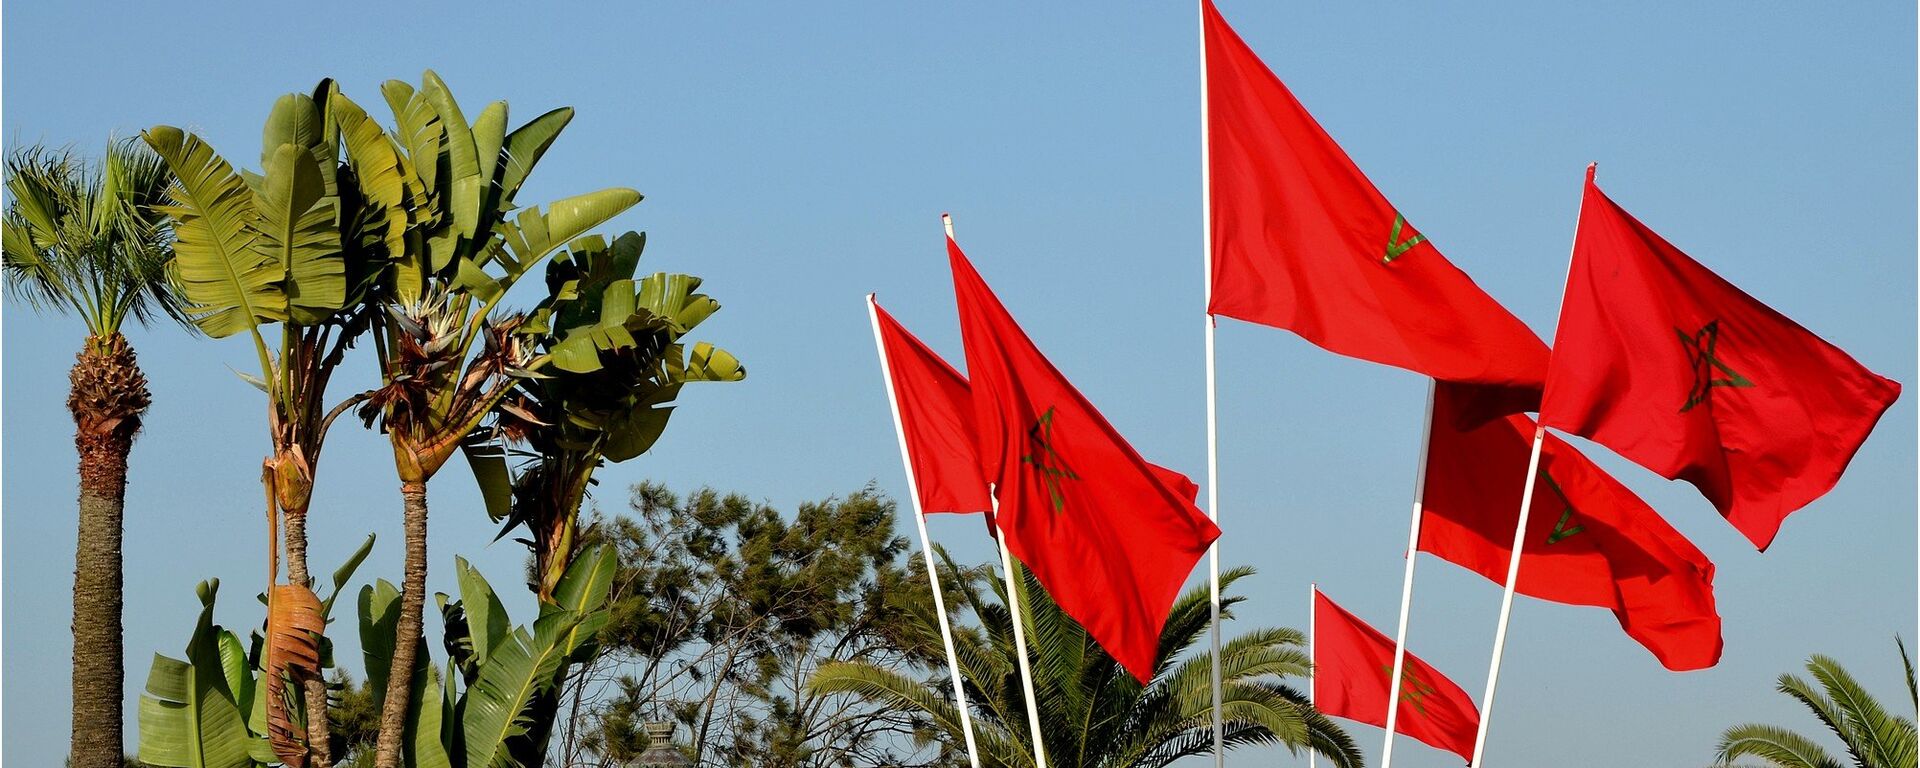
x=799, y=156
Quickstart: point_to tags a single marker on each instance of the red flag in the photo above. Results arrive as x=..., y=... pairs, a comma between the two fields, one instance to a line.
x=1669, y=364
x=1103, y=530
x=1353, y=669
x=936, y=419
x=1589, y=540
x=1302, y=241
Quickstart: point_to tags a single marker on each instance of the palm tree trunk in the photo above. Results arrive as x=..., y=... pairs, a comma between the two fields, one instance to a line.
x=314, y=690
x=406, y=645
x=108, y=396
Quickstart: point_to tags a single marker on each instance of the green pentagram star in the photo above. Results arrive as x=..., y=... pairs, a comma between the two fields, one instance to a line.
x=1396, y=246
x=1560, y=529
x=1700, y=353
x=1413, y=690
x=1045, y=459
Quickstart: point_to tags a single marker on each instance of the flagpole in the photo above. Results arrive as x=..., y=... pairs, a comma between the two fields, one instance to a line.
x=1519, y=540
x=1406, y=581
x=1506, y=597
x=1213, y=422
x=926, y=547
x=1313, y=595
x=1014, y=605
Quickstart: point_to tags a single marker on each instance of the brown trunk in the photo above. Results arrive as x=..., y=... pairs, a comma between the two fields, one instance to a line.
x=108, y=396
x=313, y=690
x=406, y=644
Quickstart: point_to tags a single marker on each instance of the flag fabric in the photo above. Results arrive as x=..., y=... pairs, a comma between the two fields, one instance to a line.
x=1672, y=366
x=936, y=416
x=1301, y=240
x=936, y=420
x=1353, y=670
x=1589, y=540
x=1109, y=536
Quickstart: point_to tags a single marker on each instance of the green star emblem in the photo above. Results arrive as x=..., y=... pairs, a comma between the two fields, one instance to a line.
x=1709, y=370
x=1560, y=529
x=1397, y=246
x=1413, y=690
x=1047, y=461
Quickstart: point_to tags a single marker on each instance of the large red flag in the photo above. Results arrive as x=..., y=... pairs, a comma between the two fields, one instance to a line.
x=1302, y=240
x=936, y=420
x=1352, y=671
x=1669, y=364
x=1589, y=540
x=1109, y=537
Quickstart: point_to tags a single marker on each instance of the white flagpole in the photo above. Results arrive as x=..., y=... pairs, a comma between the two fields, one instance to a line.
x=1014, y=605
x=1406, y=582
x=1313, y=604
x=926, y=548
x=1519, y=539
x=1213, y=423
x=1506, y=598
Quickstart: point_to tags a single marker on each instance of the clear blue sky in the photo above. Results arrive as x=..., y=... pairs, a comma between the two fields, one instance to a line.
x=799, y=157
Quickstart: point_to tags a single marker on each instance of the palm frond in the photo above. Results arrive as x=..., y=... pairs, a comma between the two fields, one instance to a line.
x=1779, y=746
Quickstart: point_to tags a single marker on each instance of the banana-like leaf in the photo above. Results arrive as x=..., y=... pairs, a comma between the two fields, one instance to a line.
x=343, y=573
x=524, y=147
x=489, y=462
x=189, y=717
x=635, y=433
x=526, y=665
x=297, y=227
x=533, y=234
x=486, y=616
x=296, y=120
x=294, y=627
x=379, y=620
x=389, y=184
x=583, y=590
x=230, y=284
x=710, y=363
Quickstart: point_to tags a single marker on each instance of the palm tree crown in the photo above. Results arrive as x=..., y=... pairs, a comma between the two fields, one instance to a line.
x=1094, y=713
x=1874, y=737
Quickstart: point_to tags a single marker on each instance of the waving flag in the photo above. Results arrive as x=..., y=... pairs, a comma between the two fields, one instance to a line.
x=1672, y=366
x=1105, y=532
x=937, y=421
x=1301, y=240
x=1352, y=670
x=1589, y=540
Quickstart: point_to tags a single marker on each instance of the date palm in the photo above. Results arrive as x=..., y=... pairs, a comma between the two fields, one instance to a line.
x=1094, y=714
x=85, y=241
x=1874, y=737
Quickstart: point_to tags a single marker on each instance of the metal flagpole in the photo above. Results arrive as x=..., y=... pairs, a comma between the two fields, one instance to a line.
x=1313, y=604
x=1020, y=641
x=1519, y=539
x=1213, y=423
x=926, y=548
x=1506, y=597
x=1406, y=582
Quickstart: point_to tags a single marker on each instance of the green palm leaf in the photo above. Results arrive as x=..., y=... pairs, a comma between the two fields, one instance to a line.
x=229, y=283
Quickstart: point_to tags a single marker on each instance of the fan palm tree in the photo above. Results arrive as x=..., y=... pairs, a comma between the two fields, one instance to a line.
x=1094, y=714
x=85, y=241
x=1874, y=738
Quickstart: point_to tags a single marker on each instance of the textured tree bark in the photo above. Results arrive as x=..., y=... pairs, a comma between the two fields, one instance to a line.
x=107, y=397
x=406, y=646
x=314, y=691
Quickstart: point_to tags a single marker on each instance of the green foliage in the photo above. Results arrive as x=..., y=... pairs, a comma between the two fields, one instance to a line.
x=618, y=360
x=1093, y=713
x=495, y=702
x=86, y=239
x=722, y=610
x=1874, y=737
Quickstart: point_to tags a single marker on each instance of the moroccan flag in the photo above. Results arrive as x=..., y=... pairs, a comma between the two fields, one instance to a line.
x=936, y=419
x=1675, y=368
x=1353, y=669
x=1103, y=531
x=1589, y=540
x=1302, y=241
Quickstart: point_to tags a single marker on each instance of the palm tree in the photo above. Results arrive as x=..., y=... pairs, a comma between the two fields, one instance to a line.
x=86, y=241
x=1874, y=737
x=1094, y=713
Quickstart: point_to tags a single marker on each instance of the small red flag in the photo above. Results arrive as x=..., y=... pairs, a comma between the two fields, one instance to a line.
x=1303, y=241
x=936, y=420
x=1672, y=366
x=1105, y=532
x=1353, y=669
x=1589, y=540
